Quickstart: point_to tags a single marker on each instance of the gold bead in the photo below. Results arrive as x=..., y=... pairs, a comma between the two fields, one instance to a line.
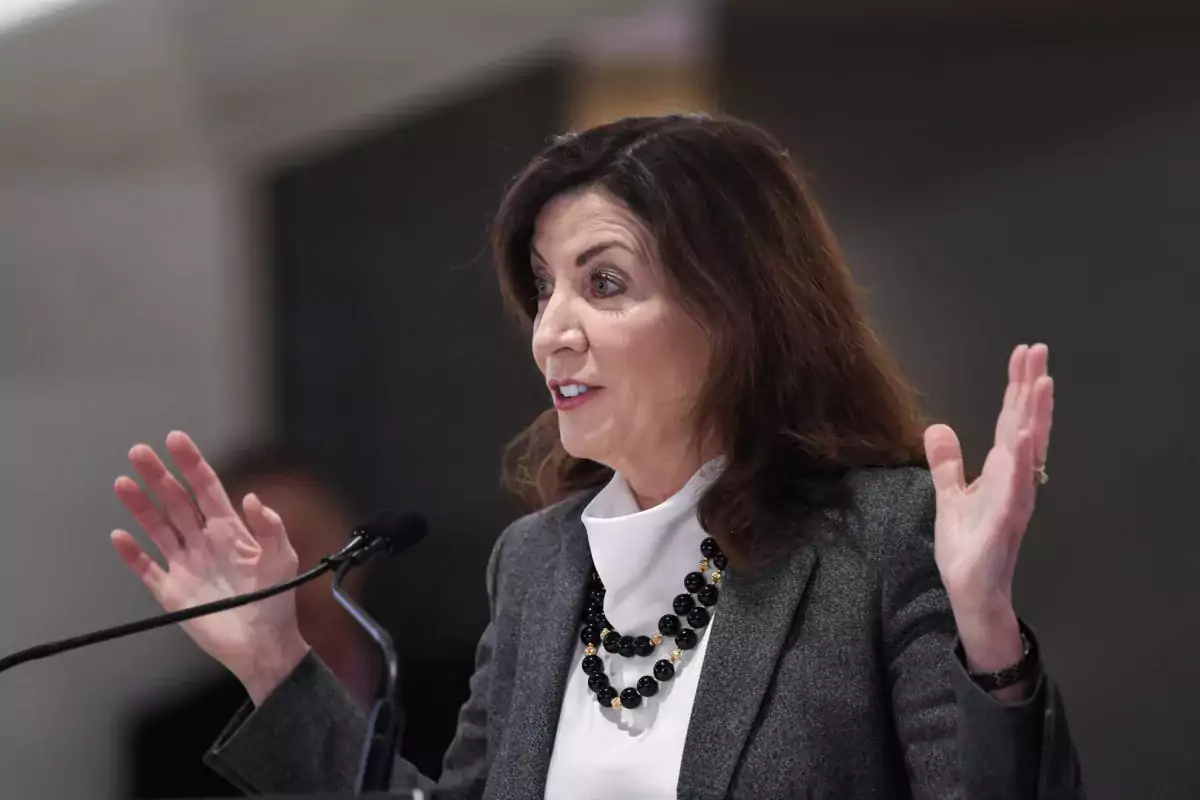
x=717, y=576
x=604, y=633
x=676, y=655
x=704, y=565
x=590, y=650
x=616, y=702
x=656, y=639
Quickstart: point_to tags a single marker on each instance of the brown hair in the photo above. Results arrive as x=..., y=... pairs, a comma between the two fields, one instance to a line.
x=799, y=389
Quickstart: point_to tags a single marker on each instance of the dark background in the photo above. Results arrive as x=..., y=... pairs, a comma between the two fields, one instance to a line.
x=398, y=362
x=996, y=183
x=991, y=183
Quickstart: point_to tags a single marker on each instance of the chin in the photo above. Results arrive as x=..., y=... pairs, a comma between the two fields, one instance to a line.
x=580, y=445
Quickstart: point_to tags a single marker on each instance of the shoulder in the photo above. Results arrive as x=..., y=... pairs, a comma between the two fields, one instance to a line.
x=532, y=540
x=888, y=513
x=898, y=494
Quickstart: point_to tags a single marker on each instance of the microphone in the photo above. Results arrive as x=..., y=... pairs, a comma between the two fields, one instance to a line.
x=385, y=532
x=390, y=532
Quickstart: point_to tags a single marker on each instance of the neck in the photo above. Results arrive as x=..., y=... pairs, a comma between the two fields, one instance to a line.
x=654, y=481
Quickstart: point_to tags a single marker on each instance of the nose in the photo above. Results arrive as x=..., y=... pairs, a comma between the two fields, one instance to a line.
x=557, y=329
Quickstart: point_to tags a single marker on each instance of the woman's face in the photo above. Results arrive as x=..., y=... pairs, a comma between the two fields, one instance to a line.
x=623, y=360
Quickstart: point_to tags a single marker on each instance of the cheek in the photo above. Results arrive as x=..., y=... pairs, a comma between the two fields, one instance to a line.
x=662, y=362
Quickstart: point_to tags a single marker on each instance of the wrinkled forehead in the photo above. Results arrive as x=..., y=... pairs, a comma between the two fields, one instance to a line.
x=573, y=222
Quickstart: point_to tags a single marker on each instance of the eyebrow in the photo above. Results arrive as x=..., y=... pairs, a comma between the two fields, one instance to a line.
x=586, y=255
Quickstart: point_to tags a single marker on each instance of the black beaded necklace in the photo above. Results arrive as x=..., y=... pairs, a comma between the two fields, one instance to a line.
x=597, y=631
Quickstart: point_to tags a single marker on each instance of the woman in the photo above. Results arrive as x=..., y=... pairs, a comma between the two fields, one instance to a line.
x=746, y=581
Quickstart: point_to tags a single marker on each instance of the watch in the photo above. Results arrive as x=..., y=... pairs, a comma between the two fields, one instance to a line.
x=1009, y=676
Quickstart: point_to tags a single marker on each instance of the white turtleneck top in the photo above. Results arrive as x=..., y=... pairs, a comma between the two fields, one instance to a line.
x=642, y=557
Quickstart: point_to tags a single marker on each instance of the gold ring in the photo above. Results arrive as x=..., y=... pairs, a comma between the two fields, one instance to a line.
x=1040, y=478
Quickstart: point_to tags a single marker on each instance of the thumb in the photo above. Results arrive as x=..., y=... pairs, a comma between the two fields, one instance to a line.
x=264, y=523
x=944, y=454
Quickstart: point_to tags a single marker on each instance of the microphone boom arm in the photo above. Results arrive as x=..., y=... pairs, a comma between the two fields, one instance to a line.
x=350, y=554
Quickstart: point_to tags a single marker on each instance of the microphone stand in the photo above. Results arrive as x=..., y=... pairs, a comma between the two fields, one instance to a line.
x=379, y=749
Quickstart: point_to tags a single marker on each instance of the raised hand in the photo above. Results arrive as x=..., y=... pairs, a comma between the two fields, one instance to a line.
x=980, y=526
x=210, y=554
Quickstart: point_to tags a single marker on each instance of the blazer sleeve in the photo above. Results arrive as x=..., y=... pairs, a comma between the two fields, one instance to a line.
x=307, y=735
x=957, y=740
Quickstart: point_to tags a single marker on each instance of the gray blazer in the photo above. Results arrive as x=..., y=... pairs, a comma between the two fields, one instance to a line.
x=833, y=674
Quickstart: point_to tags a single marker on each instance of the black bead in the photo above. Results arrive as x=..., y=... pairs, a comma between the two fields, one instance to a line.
x=612, y=642
x=597, y=681
x=590, y=634
x=643, y=646
x=605, y=696
x=719, y=561
x=668, y=625
x=708, y=595
x=693, y=581
x=596, y=596
x=626, y=647
x=592, y=665
x=683, y=603
x=709, y=547
x=698, y=617
x=596, y=617
x=647, y=686
x=685, y=640
x=630, y=698
x=664, y=670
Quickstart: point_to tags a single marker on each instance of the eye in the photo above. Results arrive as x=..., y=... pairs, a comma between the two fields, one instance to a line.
x=605, y=284
x=542, y=288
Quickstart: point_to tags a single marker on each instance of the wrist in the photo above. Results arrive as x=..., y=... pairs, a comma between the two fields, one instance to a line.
x=990, y=637
x=273, y=663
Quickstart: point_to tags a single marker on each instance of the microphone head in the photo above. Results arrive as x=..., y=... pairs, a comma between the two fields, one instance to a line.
x=398, y=530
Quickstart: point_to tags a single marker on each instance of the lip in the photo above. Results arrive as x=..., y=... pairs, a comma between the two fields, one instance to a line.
x=570, y=403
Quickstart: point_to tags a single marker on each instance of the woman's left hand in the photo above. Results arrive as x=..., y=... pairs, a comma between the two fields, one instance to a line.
x=979, y=526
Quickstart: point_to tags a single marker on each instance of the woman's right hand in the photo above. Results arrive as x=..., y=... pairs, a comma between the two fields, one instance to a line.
x=211, y=554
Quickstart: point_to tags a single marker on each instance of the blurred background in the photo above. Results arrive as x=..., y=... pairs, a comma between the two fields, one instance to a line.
x=264, y=222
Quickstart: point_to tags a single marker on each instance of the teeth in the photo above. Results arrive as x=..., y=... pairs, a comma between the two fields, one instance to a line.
x=572, y=389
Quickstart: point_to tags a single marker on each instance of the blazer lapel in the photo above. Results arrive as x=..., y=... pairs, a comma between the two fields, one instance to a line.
x=751, y=624
x=548, y=633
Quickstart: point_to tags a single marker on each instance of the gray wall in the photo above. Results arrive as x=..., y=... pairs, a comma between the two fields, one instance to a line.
x=994, y=184
x=125, y=304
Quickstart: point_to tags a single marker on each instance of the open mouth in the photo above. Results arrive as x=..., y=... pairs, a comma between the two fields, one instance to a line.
x=570, y=390
x=568, y=395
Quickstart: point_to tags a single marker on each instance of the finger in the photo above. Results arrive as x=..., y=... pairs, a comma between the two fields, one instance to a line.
x=1036, y=366
x=177, y=503
x=1043, y=418
x=1021, y=493
x=1016, y=374
x=139, y=563
x=132, y=496
x=1008, y=422
x=264, y=523
x=944, y=454
x=206, y=486
x=1023, y=487
x=1037, y=363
